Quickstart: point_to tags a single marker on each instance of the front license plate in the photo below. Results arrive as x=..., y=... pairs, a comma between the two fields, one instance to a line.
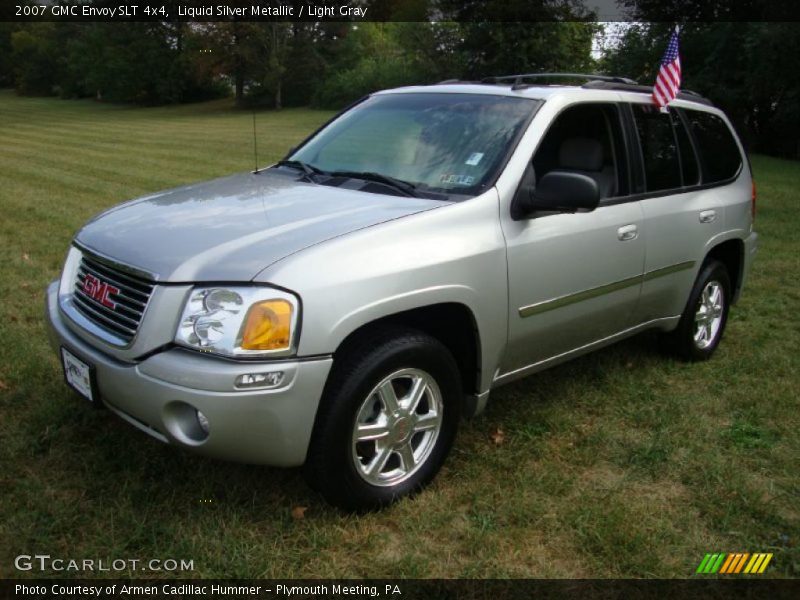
x=78, y=374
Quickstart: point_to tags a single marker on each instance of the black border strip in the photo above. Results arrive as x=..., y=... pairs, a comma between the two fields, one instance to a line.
x=530, y=11
x=706, y=587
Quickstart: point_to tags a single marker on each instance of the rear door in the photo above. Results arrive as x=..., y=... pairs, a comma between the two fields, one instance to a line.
x=680, y=214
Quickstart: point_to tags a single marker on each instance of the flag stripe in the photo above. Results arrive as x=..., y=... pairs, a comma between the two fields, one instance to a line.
x=663, y=91
x=669, y=75
x=668, y=80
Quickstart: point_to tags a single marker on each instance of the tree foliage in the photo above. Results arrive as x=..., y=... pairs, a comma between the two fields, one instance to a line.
x=276, y=64
x=745, y=68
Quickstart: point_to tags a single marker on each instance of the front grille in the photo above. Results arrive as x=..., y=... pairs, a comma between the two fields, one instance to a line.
x=111, y=298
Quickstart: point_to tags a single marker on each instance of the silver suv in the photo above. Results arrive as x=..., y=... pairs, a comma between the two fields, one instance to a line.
x=343, y=308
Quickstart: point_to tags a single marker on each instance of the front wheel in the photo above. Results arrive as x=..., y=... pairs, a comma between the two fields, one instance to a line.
x=703, y=320
x=387, y=420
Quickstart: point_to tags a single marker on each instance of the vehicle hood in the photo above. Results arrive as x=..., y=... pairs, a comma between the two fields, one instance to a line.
x=230, y=229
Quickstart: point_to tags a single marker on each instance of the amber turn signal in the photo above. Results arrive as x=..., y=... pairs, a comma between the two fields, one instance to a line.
x=268, y=326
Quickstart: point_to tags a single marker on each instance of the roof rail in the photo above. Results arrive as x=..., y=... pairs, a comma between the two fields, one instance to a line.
x=519, y=80
x=589, y=76
x=597, y=82
x=644, y=89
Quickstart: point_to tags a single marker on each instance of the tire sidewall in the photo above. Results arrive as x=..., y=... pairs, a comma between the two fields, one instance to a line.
x=343, y=484
x=711, y=271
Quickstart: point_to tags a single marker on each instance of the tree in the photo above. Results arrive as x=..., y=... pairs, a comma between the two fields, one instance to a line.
x=35, y=59
x=235, y=48
x=309, y=66
x=373, y=56
x=509, y=48
x=745, y=68
x=6, y=50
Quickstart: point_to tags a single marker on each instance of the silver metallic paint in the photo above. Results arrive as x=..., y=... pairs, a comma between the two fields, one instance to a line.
x=256, y=426
x=229, y=229
x=354, y=257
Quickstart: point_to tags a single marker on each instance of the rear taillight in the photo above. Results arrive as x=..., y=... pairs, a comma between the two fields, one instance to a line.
x=753, y=202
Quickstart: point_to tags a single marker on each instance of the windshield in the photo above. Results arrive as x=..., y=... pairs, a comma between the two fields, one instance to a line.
x=451, y=143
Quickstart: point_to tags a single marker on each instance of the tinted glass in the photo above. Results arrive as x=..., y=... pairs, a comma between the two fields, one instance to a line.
x=689, y=164
x=452, y=143
x=719, y=153
x=659, y=148
x=584, y=127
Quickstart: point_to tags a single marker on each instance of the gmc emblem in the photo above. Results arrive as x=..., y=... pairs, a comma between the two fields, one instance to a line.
x=99, y=291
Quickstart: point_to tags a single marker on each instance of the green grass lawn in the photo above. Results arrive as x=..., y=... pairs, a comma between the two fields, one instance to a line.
x=620, y=464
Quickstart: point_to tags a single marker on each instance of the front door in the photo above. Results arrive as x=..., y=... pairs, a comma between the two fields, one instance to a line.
x=575, y=278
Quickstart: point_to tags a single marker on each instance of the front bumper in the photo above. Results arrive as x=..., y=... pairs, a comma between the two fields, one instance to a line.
x=161, y=393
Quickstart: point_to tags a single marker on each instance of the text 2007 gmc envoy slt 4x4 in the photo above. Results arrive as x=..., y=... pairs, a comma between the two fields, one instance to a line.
x=344, y=307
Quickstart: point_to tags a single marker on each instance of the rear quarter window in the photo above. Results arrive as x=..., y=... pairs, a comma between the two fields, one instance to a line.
x=719, y=155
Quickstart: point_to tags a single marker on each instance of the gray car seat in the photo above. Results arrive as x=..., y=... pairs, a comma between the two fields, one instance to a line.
x=585, y=156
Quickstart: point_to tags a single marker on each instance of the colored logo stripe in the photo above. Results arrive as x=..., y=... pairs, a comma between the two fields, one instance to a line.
x=711, y=563
x=727, y=564
x=758, y=563
x=734, y=563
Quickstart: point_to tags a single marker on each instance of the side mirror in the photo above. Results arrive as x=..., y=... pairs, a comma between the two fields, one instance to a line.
x=559, y=191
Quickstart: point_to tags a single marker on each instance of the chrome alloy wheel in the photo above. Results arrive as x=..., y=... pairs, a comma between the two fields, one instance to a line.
x=708, y=318
x=396, y=427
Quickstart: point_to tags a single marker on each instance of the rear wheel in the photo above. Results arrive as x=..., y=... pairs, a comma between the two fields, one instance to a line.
x=703, y=320
x=387, y=420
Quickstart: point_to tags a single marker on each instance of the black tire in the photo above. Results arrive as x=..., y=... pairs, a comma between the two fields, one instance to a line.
x=367, y=361
x=681, y=341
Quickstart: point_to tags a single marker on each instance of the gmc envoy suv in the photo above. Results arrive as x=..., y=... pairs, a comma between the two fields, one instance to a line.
x=343, y=308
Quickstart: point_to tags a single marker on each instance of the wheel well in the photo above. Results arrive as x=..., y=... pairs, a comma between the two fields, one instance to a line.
x=731, y=254
x=453, y=324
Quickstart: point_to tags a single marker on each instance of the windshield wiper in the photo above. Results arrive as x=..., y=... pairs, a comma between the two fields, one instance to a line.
x=308, y=170
x=409, y=189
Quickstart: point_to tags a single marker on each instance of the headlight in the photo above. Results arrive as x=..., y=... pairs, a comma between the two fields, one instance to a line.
x=69, y=272
x=239, y=321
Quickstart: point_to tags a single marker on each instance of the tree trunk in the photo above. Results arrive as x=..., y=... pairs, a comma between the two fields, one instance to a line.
x=278, y=101
x=238, y=67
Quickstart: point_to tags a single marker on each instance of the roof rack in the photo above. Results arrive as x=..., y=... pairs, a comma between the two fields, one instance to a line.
x=519, y=80
x=593, y=81
x=645, y=89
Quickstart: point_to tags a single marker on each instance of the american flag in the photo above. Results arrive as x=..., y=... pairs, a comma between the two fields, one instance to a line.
x=668, y=81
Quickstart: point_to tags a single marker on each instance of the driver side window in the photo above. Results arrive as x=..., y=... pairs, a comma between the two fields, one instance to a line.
x=586, y=139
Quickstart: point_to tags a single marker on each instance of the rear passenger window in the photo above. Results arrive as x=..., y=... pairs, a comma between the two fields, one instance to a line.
x=719, y=154
x=662, y=167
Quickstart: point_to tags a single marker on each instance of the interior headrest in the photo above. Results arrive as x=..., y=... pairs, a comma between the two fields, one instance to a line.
x=583, y=154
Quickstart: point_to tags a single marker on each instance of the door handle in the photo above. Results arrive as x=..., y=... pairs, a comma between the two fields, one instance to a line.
x=708, y=216
x=627, y=233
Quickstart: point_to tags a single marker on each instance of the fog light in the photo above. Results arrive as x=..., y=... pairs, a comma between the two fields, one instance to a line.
x=259, y=380
x=202, y=420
